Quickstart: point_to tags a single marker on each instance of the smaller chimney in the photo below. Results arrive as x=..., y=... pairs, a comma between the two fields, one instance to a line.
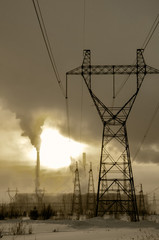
x=84, y=161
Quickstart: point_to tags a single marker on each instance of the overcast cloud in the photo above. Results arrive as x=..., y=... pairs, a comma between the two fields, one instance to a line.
x=29, y=91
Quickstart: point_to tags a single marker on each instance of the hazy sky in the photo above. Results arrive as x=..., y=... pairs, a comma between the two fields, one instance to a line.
x=29, y=92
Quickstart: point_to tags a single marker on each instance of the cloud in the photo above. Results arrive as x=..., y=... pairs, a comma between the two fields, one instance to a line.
x=31, y=92
x=149, y=153
x=14, y=146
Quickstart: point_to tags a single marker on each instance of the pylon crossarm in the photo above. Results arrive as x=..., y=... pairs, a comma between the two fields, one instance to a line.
x=113, y=69
x=151, y=70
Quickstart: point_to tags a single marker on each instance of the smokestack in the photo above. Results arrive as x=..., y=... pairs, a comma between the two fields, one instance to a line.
x=84, y=161
x=37, y=180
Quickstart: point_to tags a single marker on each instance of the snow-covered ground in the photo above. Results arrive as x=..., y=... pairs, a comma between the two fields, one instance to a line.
x=88, y=229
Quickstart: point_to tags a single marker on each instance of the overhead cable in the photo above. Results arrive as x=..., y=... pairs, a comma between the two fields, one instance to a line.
x=145, y=43
x=50, y=54
x=151, y=32
x=154, y=190
x=47, y=42
x=84, y=22
x=147, y=131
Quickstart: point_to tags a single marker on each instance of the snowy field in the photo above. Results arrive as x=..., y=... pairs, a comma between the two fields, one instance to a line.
x=88, y=229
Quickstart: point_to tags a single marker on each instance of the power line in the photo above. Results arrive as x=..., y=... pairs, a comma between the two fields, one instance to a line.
x=151, y=32
x=153, y=191
x=81, y=117
x=145, y=43
x=147, y=131
x=50, y=54
x=84, y=22
x=47, y=42
x=123, y=84
x=68, y=119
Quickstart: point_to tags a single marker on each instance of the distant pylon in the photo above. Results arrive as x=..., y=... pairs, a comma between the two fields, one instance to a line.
x=91, y=194
x=77, y=200
x=154, y=204
x=104, y=183
x=142, y=209
x=118, y=205
x=12, y=193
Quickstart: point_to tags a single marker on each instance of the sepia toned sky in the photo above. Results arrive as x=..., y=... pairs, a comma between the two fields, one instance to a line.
x=29, y=92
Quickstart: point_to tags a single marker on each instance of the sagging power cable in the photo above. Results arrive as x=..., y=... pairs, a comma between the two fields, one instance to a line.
x=47, y=42
x=151, y=32
x=154, y=190
x=147, y=131
x=84, y=22
x=50, y=54
x=144, y=46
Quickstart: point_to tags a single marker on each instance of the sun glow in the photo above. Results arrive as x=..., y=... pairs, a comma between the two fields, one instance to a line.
x=56, y=150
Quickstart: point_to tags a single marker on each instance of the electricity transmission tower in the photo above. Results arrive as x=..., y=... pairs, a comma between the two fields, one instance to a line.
x=142, y=209
x=154, y=204
x=77, y=199
x=12, y=194
x=114, y=119
x=91, y=194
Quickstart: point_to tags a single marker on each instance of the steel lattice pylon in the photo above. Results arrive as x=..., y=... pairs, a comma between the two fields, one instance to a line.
x=77, y=199
x=91, y=203
x=115, y=175
x=142, y=209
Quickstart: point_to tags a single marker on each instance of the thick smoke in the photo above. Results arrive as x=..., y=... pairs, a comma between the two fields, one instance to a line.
x=33, y=128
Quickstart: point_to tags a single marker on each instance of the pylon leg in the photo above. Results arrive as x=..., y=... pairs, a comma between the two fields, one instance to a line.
x=116, y=171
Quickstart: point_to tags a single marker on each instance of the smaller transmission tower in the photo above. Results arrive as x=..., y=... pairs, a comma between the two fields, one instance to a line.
x=77, y=200
x=154, y=204
x=142, y=209
x=91, y=194
x=118, y=204
x=12, y=193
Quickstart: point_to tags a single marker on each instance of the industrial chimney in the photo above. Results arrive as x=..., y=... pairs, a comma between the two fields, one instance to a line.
x=84, y=161
x=37, y=171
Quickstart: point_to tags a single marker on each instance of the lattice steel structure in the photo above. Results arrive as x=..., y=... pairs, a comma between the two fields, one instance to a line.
x=91, y=203
x=77, y=199
x=12, y=193
x=117, y=172
x=154, y=206
x=142, y=209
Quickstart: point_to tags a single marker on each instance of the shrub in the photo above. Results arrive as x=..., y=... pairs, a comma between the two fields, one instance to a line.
x=34, y=214
x=46, y=212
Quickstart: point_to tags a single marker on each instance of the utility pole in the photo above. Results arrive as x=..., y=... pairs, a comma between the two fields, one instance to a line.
x=77, y=199
x=91, y=194
x=114, y=119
